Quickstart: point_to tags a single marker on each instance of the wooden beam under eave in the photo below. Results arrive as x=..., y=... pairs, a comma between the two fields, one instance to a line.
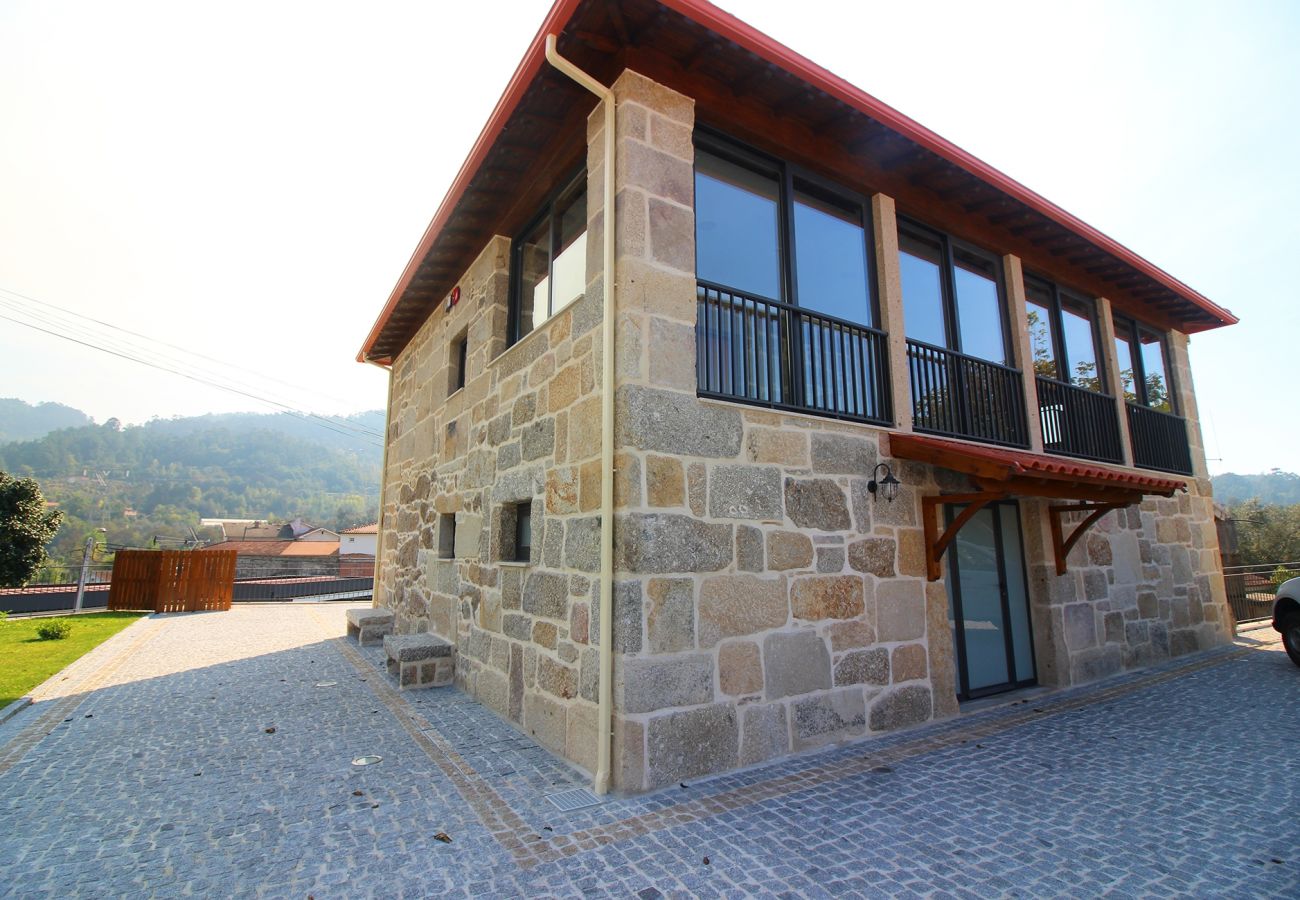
x=1062, y=545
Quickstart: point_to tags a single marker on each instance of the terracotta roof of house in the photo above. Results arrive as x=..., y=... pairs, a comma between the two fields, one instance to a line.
x=742, y=69
x=278, y=548
x=251, y=548
x=311, y=548
x=1021, y=466
x=372, y=528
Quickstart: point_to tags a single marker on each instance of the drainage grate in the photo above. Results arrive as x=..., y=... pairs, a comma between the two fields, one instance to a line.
x=578, y=798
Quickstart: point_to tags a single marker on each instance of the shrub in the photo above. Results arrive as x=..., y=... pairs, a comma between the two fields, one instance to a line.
x=54, y=630
x=1281, y=574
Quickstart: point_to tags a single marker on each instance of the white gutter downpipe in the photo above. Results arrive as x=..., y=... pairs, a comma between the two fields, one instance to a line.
x=604, y=721
x=383, y=481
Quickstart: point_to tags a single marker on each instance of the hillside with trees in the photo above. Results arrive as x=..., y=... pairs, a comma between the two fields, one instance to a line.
x=1276, y=488
x=20, y=421
x=157, y=480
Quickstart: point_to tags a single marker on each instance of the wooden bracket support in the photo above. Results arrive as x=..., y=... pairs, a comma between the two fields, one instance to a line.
x=1063, y=545
x=935, y=543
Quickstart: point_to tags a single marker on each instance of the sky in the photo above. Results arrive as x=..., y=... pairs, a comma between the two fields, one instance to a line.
x=244, y=182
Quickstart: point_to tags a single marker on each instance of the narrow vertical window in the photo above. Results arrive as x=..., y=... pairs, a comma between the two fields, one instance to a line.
x=457, y=358
x=523, y=531
x=1124, y=355
x=1042, y=329
x=447, y=536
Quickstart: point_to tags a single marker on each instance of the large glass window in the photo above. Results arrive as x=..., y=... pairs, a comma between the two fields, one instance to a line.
x=550, y=259
x=920, y=262
x=1062, y=335
x=951, y=294
x=1143, y=365
x=737, y=228
x=831, y=262
x=768, y=231
x=786, y=303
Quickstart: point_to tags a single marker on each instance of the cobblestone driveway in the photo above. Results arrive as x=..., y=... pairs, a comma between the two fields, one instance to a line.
x=150, y=768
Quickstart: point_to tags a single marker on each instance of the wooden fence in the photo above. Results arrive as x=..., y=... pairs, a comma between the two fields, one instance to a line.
x=172, y=580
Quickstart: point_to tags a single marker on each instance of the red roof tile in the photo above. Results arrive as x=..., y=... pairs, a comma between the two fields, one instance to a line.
x=1001, y=464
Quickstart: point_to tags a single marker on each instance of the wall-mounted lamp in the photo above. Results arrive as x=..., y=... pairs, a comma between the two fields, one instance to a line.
x=886, y=487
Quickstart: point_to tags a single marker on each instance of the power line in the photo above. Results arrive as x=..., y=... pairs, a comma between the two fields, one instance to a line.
x=161, y=342
x=309, y=417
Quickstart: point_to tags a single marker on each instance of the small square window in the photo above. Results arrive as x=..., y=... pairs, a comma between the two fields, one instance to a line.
x=513, y=532
x=447, y=536
x=457, y=362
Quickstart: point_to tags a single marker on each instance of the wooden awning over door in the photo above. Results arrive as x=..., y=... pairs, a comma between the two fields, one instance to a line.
x=1000, y=473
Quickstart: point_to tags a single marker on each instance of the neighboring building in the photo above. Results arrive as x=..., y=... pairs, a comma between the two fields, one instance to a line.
x=268, y=559
x=814, y=296
x=360, y=540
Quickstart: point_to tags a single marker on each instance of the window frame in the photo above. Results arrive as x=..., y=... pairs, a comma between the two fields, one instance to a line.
x=458, y=359
x=1056, y=309
x=1132, y=329
x=569, y=187
x=789, y=175
x=949, y=247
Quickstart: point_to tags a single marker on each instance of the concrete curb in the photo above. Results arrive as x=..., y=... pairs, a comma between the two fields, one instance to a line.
x=14, y=709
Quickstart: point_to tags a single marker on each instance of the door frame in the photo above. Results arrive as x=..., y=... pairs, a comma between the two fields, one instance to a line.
x=955, y=603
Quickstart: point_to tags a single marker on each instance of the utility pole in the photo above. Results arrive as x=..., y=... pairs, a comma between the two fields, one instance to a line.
x=85, y=563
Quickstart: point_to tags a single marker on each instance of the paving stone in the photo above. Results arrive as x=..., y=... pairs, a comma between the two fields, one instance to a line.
x=1060, y=797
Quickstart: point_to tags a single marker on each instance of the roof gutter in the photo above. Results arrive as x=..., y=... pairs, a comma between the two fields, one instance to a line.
x=605, y=711
x=529, y=66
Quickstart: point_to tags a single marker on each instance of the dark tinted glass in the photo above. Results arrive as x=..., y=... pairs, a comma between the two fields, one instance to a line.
x=736, y=227
x=1080, y=343
x=831, y=259
x=979, y=311
x=919, y=262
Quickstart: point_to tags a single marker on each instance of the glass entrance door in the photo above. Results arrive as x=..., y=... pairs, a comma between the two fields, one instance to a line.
x=988, y=608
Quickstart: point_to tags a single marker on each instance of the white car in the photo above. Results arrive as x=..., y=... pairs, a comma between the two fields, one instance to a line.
x=1286, y=617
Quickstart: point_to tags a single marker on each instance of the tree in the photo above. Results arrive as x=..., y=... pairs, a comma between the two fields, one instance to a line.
x=1267, y=533
x=25, y=528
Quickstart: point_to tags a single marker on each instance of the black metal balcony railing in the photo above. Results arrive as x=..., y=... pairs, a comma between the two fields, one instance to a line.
x=772, y=354
x=1159, y=440
x=963, y=396
x=1078, y=422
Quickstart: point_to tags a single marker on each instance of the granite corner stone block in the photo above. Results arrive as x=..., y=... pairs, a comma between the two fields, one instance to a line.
x=692, y=742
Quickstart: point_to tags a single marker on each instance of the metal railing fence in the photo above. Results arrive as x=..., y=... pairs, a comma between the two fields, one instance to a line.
x=1251, y=589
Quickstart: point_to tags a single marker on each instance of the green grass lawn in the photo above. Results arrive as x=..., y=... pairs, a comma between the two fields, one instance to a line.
x=26, y=660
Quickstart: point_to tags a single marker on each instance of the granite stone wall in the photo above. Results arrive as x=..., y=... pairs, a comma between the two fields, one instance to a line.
x=523, y=429
x=764, y=602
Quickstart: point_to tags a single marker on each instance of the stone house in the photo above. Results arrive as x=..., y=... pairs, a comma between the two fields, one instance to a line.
x=852, y=426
